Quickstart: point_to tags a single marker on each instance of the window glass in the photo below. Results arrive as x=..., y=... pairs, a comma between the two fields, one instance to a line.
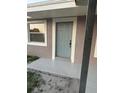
x=37, y=37
x=37, y=32
x=37, y=27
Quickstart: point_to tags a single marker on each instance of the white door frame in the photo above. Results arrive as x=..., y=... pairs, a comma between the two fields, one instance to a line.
x=72, y=19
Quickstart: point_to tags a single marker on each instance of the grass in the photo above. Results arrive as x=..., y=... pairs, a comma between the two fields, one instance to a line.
x=33, y=80
x=31, y=58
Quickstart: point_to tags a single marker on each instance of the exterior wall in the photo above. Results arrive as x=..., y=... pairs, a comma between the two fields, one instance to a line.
x=43, y=51
x=80, y=36
x=92, y=57
x=46, y=51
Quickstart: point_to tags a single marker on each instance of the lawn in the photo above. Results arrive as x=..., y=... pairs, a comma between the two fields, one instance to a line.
x=31, y=58
x=40, y=82
x=44, y=82
x=32, y=81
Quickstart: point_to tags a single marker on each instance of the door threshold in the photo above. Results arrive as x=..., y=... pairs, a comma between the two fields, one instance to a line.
x=63, y=59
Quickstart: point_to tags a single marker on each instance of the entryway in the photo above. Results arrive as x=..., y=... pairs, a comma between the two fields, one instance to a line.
x=64, y=39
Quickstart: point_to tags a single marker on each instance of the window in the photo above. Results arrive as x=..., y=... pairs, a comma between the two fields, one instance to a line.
x=37, y=32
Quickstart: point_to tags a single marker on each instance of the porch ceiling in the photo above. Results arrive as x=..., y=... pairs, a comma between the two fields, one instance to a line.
x=65, y=12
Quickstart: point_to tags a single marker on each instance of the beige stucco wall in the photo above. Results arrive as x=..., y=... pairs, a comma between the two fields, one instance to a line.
x=92, y=57
x=95, y=53
x=43, y=51
x=46, y=51
x=80, y=36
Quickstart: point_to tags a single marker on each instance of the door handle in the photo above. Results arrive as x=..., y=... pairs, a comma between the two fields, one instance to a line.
x=70, y=43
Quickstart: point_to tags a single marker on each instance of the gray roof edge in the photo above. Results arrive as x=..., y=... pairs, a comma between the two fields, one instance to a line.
x=49, y=2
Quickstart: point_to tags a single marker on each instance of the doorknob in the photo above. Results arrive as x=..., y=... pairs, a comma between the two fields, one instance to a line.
x=70, y=43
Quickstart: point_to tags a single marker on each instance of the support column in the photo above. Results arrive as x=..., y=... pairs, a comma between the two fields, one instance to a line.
x=87, y=44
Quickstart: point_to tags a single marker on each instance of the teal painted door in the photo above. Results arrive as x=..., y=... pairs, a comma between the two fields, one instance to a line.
x=63, y=39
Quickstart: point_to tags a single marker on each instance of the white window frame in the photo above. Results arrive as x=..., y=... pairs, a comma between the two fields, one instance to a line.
x=37, y=43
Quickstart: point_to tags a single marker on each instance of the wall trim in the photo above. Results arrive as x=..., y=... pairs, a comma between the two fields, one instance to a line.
x=74, y=19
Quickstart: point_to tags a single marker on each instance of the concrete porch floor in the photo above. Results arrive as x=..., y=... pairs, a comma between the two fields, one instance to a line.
x=65, y=68
x=58, y=66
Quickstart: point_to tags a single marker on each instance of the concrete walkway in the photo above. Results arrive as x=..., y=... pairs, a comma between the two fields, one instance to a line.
x=91, y=86
x=57, y=66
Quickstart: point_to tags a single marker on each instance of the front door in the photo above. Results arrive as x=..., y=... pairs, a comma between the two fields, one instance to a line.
x=63, y=39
